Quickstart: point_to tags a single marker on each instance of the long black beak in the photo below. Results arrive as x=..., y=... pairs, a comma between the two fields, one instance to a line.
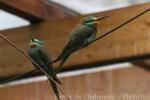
x=101, y=18
x=32, y=39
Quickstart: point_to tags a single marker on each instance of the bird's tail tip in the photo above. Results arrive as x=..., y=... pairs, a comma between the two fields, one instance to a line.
x=55, y=60
x=59, y=82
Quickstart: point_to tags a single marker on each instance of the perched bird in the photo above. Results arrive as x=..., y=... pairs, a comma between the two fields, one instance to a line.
x=83, y=34
x=39, y=54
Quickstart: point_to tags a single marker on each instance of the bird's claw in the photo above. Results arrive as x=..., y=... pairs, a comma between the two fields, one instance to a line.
x=86, y=45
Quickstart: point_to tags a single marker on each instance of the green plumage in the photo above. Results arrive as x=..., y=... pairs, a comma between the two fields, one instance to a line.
x=84, y=33
x=42, y=58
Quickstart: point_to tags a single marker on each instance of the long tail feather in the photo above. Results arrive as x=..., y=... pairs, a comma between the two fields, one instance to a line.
x=55, y=60
x=55, y=90
x=57, y=80
x=62, y=62
x=58, y=58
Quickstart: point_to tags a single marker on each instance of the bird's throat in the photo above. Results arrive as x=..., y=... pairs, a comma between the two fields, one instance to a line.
x=33, y=45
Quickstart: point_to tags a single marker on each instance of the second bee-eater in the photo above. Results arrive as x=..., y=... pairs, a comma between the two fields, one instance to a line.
x=83, y=34
x=39, y=54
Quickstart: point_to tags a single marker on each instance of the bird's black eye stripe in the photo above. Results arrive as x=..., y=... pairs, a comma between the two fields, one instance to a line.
x=36, y=41
x=90, y=21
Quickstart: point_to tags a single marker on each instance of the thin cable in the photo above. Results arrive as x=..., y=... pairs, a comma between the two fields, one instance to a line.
x=121, y=25
x=27, y=56
x=114, y=29
x=17, y=76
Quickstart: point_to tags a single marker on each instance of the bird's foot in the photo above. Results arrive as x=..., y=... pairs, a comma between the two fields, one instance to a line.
x=85, y=45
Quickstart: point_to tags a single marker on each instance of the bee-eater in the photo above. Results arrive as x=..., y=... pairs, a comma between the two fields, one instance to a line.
x=39, y=54
x=83, y=34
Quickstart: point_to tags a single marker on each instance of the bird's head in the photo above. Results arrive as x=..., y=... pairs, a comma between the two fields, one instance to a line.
x=92, y=21
x=35, y=43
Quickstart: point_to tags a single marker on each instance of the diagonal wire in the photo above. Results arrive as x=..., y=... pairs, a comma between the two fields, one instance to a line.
x=121, y=25
x=27, y=56
x=114, y=29
x=18, y=76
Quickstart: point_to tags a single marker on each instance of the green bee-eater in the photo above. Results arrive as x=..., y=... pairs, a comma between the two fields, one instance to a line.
x=39, y=54
x=84, y=33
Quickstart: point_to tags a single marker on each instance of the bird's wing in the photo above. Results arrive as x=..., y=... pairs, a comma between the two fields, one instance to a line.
x=77, y=39
x=35, y=57
x=79, y=35
x=44, y=55
x=46, y=59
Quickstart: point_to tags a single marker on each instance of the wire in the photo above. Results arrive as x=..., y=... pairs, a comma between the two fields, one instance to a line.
x=116, y=28
x=105, y=34
x=27, y=56
x=18, y=76
x=112, y=30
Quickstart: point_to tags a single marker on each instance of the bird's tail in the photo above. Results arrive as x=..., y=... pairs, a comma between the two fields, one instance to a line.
x=61, y=56
x=55, y=90
x=57, y=80
x=55, y=60
x=58, y=58
x=62, y=62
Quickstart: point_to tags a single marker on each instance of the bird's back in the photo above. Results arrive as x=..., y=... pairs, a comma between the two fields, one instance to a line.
x=34, y=53
x=40, y=56
x=79, y=35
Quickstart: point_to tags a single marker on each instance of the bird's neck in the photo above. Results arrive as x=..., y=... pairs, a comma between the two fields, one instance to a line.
x=93, y=26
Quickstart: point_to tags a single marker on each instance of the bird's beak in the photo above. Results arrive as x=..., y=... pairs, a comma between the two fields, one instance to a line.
x=101, y=18
x=32, y=44
x=98, y=19
x=32, y=39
